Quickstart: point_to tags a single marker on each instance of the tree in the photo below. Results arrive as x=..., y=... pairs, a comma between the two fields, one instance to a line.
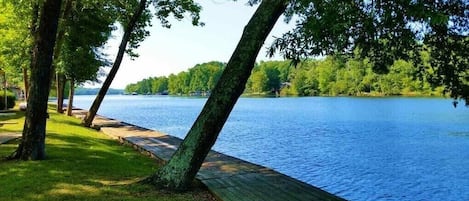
x=160, y=85
x=134, y=32
x=326, y=75
x=60, y=78
x=273, y=78
x=18, y=25
x=173, y=86
x=215, y=70
x=199, y=79
x=131, y=88
x=383, y=32
x=32, y=146
x=181, y=169
x=129, y=29
x=450, y=60
x=84, y=27
x=380, y=29
x=355, y=73
x=259, y=81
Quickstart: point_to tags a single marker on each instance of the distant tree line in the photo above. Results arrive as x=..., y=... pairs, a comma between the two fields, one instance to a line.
x=197, y=80
x=330, y=76
x=352, y=77
x=94, y=91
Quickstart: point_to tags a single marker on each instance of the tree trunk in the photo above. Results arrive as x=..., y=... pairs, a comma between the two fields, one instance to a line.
x=26, y=83
x=60, y=87
x=32, y=146
x=115, y=67
x=70, y=97
x=5, y=91
x=181, y=169
x=60, y=78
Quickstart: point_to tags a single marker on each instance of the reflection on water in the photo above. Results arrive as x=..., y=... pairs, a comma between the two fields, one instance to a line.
x=358, y=148
x=462, y=134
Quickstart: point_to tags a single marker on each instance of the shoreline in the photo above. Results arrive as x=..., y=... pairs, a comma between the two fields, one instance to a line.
x=221, y=173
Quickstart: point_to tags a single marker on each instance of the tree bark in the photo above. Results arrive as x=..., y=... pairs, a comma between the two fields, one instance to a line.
x=26, y=83
x=32, y=146
x=181, y=169
x=70, y=97
x=60, y=87
x=115, y=67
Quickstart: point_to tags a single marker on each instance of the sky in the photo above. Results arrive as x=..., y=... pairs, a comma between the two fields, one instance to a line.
x=183, y=46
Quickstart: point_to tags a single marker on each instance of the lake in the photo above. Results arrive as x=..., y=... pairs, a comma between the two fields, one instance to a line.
x=357, y=148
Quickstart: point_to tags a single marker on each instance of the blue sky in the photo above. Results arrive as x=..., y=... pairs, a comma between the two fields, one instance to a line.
x=174, y=50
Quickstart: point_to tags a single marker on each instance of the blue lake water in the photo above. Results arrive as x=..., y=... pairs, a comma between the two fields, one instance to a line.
x=357, y=148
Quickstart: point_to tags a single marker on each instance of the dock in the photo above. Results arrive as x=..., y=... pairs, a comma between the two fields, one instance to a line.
x=226, y=177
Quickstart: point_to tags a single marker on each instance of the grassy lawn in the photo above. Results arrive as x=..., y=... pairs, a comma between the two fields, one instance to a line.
x=82, y=164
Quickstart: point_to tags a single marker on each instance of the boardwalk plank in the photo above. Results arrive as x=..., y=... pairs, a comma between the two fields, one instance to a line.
x=227, y=177
x=228, y=194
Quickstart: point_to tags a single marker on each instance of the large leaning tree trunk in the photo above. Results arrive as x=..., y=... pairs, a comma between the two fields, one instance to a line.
x=180, y=171
x=115, y=67
x=32, y=146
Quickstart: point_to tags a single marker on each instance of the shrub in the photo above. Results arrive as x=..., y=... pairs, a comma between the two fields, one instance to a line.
x=11, y=98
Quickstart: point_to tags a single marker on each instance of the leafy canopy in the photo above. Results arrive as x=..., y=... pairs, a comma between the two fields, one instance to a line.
x=384, y=31
x=15, y=41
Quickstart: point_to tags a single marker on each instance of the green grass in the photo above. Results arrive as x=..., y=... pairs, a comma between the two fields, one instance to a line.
x=81, y=164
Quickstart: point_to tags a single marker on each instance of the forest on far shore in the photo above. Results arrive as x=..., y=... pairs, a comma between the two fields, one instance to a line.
x=330, y=76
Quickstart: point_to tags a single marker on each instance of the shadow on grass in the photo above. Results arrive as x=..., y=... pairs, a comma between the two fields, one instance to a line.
x=81, y=164
x=15, y=114
x=83, y=168
x=17, y=119
x=65, y=121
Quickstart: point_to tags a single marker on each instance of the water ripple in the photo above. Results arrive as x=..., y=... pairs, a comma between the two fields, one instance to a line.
x=396, y=149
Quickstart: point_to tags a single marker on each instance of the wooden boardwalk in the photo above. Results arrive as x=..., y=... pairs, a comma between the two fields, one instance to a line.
x=228, y=178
